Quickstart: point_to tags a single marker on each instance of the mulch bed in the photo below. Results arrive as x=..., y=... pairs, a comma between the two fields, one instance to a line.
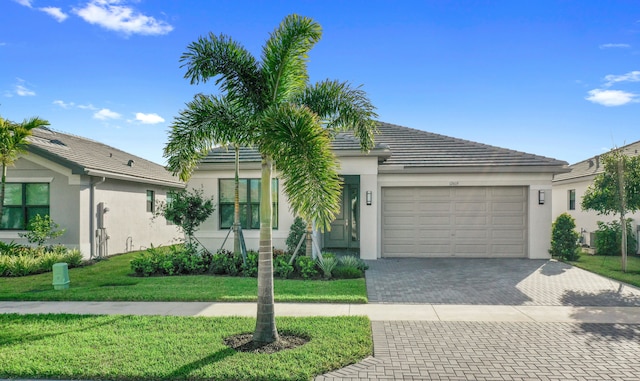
x=244, y=343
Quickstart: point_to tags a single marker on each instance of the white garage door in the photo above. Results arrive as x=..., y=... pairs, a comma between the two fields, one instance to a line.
x=454, y=222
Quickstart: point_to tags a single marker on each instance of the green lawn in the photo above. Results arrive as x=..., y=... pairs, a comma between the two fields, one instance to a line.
x=171, y=348
x=111, y=280
x=610, y=267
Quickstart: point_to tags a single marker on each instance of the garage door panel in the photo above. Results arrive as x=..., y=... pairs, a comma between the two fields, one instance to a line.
x=508, y=221
x=470, y=206
x=434, y=220
x=454, y=221
x=471, y=233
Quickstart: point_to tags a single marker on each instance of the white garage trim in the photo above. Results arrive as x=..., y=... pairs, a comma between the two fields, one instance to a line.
x=454, y=222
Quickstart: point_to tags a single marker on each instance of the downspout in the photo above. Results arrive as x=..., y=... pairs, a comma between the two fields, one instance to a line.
x=92, y=239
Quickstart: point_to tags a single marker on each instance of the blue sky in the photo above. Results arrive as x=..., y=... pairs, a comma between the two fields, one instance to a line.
x=554, y=78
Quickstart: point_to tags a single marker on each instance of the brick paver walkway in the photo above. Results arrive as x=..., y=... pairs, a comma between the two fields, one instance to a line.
x=492, y=282
x=485, y=351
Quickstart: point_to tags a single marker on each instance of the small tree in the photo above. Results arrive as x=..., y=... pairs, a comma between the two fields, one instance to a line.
x=296, y=231
x=564, y=238
x=616, y=191
x=41, y=229
x=609, y=238
x=188, y=209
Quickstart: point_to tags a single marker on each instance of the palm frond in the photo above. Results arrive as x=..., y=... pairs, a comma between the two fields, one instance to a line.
x=301, y=148
x=342, y=108
x=206, y=122
x=284, y=57
x=238, y=72
x=13, y=137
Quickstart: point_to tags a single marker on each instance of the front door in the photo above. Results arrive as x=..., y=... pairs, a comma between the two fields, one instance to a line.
x=345, y=229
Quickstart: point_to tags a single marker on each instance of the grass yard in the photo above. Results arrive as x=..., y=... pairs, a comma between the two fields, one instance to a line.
x=610, y=267
x=110, y=280
x=171, y=348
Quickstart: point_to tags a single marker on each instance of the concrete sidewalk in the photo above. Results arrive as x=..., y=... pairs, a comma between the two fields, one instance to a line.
x=375, y=311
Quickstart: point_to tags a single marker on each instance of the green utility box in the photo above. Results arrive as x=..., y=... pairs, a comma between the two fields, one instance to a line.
x=60, y=276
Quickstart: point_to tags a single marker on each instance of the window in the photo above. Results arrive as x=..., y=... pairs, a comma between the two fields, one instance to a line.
x=22, y=202
x=170, y=197
x=151, y=201
x=249, y=203
x=572, y=199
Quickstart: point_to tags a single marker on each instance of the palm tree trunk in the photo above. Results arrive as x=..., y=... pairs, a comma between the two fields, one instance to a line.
x=266, y=331
x=236, y=204
x=309, y=248
x=2, y=190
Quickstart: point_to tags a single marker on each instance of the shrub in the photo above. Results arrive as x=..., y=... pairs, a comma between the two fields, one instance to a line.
x=11, y=248
x=281, y=267
x=347, y=272
x=37, y=260
x=250, y=267
x=306, y=266
x=564, y=238
x=296, y=231
x=226, y=262
x=327, y=264
x=41, y=229
x=353, y=261
x=172, y=260
x=609, y=238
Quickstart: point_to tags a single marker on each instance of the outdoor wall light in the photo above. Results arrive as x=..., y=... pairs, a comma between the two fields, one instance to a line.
x=369, y=197
x=541, y=197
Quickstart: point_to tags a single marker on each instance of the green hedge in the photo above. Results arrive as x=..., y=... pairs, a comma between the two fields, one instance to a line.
x=21, y=260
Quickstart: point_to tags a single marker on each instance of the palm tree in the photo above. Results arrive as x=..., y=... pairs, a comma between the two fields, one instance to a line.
x=13, y=142
x=288, y=121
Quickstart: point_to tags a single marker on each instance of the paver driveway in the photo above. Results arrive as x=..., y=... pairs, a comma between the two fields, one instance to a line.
x=492, y=281
x=489, y=350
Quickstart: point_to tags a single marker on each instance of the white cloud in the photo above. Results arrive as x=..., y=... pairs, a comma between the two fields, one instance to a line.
x=88, y=107
x=21, y=89
x=632, y=76
x=105, y=114
x=149, y=118
x=26, y=3
x=609, y=46
x=63, y=104
x=109, y=14
x=3, y=43
x=54, y=12
x=611, y=97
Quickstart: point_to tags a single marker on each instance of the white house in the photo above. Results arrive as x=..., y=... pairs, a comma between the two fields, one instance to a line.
x=102, y=196
x=570, y=187
x=416, y=194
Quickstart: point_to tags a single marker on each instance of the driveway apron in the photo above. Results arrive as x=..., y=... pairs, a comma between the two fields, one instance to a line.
x=493, y=282
x=485, y=351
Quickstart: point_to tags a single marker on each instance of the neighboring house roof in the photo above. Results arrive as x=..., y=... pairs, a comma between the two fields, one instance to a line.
x=593, y=165
x=410, y=150
x=87, y=157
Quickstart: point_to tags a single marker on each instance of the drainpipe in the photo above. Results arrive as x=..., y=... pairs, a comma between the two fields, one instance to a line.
x=92, y=212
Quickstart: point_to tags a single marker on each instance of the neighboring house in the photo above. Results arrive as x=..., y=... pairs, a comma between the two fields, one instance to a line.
x=570, y=187
x=416, y=194
x=92, y=190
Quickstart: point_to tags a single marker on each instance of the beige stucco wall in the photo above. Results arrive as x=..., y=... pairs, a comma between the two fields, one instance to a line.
x=370, y=215
x=212, y=237
x=539, y=215
x=585, y=220
x=128, y=224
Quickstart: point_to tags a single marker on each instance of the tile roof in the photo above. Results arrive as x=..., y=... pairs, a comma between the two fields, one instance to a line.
x=408, y=148
x=87, y=157
x=592, y=165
